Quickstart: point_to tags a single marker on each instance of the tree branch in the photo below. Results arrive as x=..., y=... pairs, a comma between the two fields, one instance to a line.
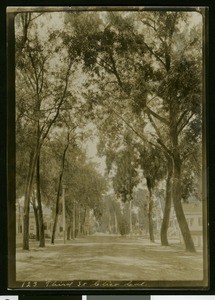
x=36, y=17
x=42, y=75
x=24, y=75
x=155, y=55
x=31, y=118
x=129, y=125
x=164, y=147
x=103, y=63
x=181, y=117
x=159, y=140
x=162, y=119
x=185, y=123
x=115, y=72
x=153, y=27
x=60, y=103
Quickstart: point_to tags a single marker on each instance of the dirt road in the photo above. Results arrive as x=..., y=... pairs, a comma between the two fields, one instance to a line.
x=108, y=258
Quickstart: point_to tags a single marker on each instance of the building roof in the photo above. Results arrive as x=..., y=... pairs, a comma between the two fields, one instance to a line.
x=192, y=208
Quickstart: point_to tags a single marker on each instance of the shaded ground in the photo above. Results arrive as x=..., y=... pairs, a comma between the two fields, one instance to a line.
x=108, y=258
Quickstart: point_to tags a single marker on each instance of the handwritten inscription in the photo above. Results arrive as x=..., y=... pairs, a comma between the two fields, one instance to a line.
x=29, y=284
x=83, y=284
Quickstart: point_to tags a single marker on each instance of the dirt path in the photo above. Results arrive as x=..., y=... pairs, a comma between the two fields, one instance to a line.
x=108, y=258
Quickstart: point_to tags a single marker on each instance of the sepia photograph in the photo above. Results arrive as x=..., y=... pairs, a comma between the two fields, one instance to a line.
x=108, y=119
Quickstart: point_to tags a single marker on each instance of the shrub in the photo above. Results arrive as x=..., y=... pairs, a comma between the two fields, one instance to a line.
x=123, y=226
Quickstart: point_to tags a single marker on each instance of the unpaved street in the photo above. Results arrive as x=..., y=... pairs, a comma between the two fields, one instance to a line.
x=108, y=258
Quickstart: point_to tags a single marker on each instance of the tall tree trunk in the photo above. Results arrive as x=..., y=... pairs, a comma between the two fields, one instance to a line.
x=176, y=190
x=168, y=201
x=35, y=208
x=73, y=221
x=115, y=223
x=189, y=245
x=130, y=217
x=68, y=232
x=40, y=209
x=109, y=223
x=150, y=220
x=57, y=209
x=84, y=221
x=58, y=192
x=55, y=225
x=79, y=219
x=150, y=209
x=28, y=192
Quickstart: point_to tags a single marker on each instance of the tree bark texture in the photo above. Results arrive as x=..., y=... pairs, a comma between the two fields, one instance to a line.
x=176, y=189
x=28, y=192
x=130, y=217
x=57, y=208
x=150, y=212
x=54, y=228
x=58, y=193
x=68, y=233
x=189, y=245
x=167, y=208
x=79, y=219
x=73, y=220
x=40, y=209
x=35, y=208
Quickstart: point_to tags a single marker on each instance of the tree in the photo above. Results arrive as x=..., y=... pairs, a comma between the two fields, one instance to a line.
x=124, y=226
x=168, y=202
x=60, y=182
x=141, y=78
x=126, y=177
x=152, y=76
x=85, y=188
x=151, y=161
x=47, y=90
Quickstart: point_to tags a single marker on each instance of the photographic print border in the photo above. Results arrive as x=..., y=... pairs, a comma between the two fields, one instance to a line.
x=93, y=285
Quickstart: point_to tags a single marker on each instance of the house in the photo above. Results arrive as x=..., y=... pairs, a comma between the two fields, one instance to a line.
x=194, y=216
x=47, y=217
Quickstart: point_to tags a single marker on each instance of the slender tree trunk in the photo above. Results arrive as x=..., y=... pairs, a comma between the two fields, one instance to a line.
x=19, y=220
x=54, y=227
x=84, y=221
x=28, y=192
x=176, y=192
x=167, y=208
x=57, y=208
x=58, y=192
x=73, y=221
x=150, y=209
x=68, y=232
x=150, y=220
x=35, y=208
x=130, y=217
x=109, y=223
x=40, y=209
x=179, y=209
x=116, y=223
x=79, y=219
x=37, y=223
